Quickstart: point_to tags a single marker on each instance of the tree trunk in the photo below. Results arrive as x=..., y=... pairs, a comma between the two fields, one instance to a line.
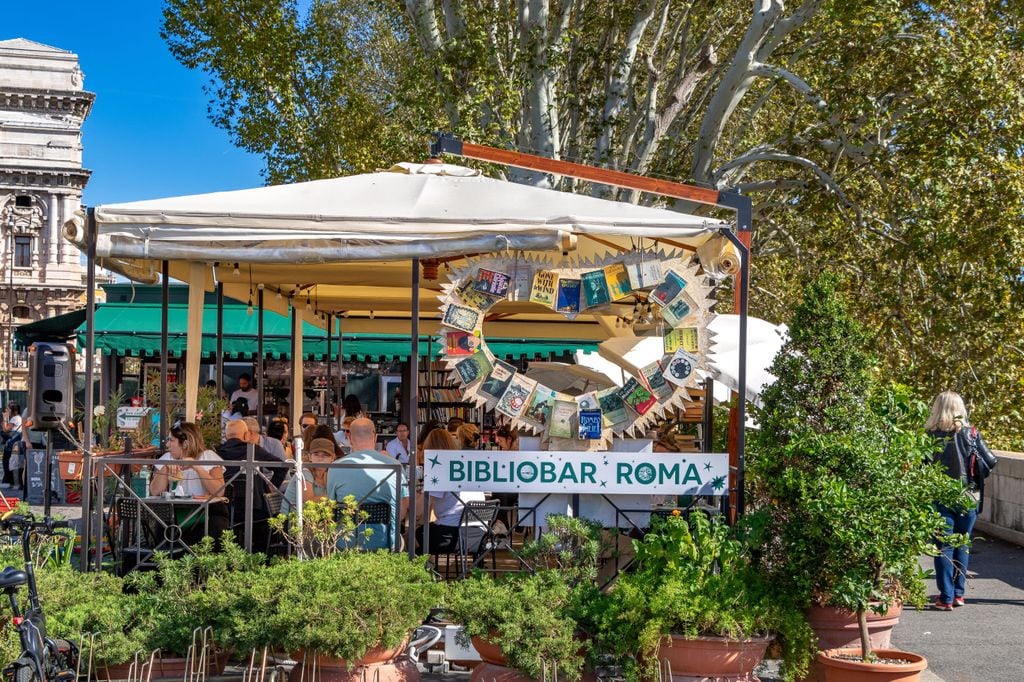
x=865, y=637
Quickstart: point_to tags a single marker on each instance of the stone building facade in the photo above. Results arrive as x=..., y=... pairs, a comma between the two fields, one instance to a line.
x=42, y=108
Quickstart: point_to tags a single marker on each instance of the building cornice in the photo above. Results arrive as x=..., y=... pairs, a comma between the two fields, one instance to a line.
x=77, y=103
x=44, y=178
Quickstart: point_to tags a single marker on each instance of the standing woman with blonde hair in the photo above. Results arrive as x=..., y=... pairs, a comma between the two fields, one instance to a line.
x=966, y=458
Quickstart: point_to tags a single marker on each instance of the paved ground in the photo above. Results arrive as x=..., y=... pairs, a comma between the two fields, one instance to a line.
x=981, y=642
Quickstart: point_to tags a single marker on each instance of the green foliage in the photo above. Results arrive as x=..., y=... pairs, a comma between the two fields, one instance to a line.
x=325, y=528
x=693, y=578
x=570, y=545
x=840, y=471
x=340, y=606
x=85, y=603
x=530, y=616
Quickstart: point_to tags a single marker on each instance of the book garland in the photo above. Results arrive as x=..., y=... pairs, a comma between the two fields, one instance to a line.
x=669, y=280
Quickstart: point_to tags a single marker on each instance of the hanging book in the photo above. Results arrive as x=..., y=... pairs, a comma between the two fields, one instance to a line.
x=656, y=383
x=473, y=368
x=681, y=309
x=498, y=380
x=563, y=419
x=613, y=410
x=618, y=281
x=522, y=279
x=680, y=368
x=492, y=283
x=590, y=424
x=544, y=286
x=588, y=401
x=665, y=292
x=595, y=289
x=683, y=337
x=645, y=274
x=568, y=299
x=637, y=397
x=539, y=409
x=473, y=298
x=461, y=343
x=461, y=317
x=516, y=396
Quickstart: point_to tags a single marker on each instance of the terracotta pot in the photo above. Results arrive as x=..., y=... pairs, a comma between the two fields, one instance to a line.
x=489, y=653
x=166, y=666
x=378, y=664
x=495, y=666
x=838, y=628
x=840, y=670
x=718, y=658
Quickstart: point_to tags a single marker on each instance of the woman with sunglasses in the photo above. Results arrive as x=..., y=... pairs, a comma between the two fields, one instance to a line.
x=185, y=443
x=314, y=486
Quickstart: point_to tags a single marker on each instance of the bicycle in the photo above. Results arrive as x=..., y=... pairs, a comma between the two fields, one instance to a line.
x=42, y=659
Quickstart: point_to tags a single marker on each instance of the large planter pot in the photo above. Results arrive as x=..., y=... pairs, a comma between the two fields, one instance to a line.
x=378, y=664
x=717, y=658
x=495, y=666
x=838, y=628
x=842, y=670
x=165, y=666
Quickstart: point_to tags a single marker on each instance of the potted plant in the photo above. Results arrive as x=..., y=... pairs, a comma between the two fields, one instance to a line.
x=696, y=605
x=533, y=625
x=840, y=474
x=343, y=612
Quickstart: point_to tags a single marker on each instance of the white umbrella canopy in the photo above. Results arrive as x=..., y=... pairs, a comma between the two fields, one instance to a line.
x=413, y=210
x=764, y=340
x=567, y=378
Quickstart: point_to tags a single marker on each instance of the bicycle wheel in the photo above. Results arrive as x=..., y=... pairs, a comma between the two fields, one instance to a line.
x=25, y=670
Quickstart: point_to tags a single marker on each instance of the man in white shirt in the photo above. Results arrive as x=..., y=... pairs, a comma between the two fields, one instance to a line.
x=245, y=390
x=399, y=446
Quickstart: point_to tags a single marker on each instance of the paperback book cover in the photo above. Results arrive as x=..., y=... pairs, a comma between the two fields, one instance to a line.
x=679, y=367
x=637, y=397
x=461, y=317
x=590, y=424
x=544, y=286
x=461, y=343
x=522, y=280
x=516, y=396
x=498, y=380
x=665, y=292
x=568, y=299
x=588, y=401
x=492, y=283
x=473, y=368
x=539, y=409
x=683, y=337
x=563, y=419
x=473, y=298
x=618, y=281
x=682, y=309
x=644, y=275
x=656, y=383
x=595, y=289
x=613, y=410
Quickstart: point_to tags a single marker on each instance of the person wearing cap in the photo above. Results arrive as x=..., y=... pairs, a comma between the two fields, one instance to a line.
x=271, y=445
x=366, y=484
x=314, y=477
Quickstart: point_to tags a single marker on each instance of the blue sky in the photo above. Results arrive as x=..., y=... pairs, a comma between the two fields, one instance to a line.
x=148, y=135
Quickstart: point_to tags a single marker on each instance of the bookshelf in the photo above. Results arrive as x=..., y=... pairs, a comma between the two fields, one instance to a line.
x=440, y=397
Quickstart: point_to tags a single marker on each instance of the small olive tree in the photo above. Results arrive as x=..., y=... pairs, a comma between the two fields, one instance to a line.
x=840, y=470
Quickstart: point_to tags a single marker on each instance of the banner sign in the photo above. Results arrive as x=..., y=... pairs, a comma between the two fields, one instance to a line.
x=129, y=417
x=594, y=473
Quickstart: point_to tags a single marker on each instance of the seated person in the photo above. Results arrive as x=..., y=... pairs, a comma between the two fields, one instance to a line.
x=234, y=449
x=279, y=430
x=365, y=484
x=342, y=436
x=271, y=445
x=311, y=433
x=314, y=484
x=468, y=437
x=186, y=444
x=445, y=531
x=399, y=446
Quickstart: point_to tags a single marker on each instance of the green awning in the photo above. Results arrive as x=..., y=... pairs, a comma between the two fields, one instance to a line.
x=134, y=329
x=56, y=328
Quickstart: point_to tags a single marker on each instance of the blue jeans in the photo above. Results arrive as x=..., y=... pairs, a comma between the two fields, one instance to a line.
x=951, y=563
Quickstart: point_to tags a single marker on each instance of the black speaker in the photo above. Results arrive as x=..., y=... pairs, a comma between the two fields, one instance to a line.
x=51, y=384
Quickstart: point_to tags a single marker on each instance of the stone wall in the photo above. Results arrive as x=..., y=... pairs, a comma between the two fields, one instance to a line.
x=1003, y=514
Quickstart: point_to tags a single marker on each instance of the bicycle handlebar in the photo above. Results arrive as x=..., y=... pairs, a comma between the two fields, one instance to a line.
x=21, y=522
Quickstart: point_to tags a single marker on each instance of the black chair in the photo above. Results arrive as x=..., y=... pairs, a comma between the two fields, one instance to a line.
x=378, y=513
x=144, y=531
x=475, y=529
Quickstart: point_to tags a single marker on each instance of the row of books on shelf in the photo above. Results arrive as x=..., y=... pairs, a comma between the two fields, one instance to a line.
x=443, y=414
x=440, y=394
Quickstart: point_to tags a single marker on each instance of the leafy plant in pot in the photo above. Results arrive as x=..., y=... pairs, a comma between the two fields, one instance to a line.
x=840, y=473
x=696, y=603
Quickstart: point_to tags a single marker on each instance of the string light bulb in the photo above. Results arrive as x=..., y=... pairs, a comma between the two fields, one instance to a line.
x=371, y=314
x=236, y=272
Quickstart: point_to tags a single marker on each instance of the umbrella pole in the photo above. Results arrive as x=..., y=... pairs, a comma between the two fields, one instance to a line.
x=411, y=398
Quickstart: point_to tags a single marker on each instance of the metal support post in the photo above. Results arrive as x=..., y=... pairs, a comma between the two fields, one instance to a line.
x=411, y=398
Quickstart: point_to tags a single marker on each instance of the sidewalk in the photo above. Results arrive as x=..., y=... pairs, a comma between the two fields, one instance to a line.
x=983, y=641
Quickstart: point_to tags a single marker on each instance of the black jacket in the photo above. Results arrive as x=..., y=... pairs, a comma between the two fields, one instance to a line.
x=955, y=454
x=234, y=450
